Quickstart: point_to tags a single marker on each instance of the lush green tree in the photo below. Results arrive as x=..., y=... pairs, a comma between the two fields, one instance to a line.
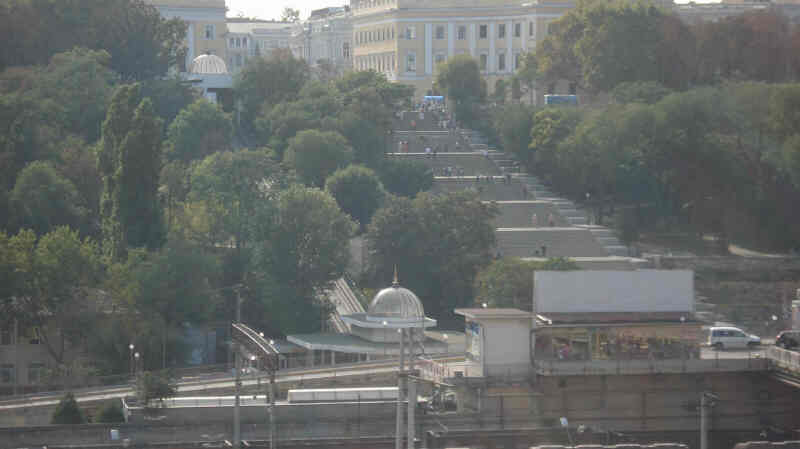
x=48, y=280
x=438, y=243
x=316, y=155
x=317, y=107
x=199, y=130
x=45, y=200
x=358, y=191
x=304, y=247
x=460, y=79
x=508, y=282
x=269, y=80
x=550, y=127
x=513, y=123
x=500, y=91
x=130, y=162
x=68, y=412
x=169, y=96
x=28, y=133
x=228, y=187
x=155, y=385
x=618, y=44
x=111, y=413
x=525, y=78
x=647, y=92
x=405, y=177
x=78, y=164
x=174, y=287
x=141, y=43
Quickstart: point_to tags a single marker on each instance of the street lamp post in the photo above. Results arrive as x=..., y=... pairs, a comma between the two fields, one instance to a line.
x=136, y=362
x=130, y=360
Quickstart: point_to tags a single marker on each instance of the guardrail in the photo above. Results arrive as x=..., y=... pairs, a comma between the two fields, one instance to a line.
x=784, y=360
x=754, y=362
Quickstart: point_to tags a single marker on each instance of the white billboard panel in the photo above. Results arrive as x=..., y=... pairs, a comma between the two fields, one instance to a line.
x=613, y=291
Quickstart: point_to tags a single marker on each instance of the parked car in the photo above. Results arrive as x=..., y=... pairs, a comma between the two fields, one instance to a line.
x=731, y=337
x=788, y=339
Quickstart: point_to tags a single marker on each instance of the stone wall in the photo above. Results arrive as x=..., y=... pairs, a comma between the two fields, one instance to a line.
x=745, y=290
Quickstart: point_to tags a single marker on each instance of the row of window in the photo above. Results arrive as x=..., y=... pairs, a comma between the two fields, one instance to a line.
x=440, y=32
x=36, y=373
x=411, y=61
x=380, y=63
x=370, y=3
x=237, y=42
x=383, y=34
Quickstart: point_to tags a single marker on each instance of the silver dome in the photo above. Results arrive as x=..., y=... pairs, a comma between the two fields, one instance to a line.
x=396, y=302
x=208, y=65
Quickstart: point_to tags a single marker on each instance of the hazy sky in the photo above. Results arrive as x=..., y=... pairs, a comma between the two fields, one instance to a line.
x=271, y=9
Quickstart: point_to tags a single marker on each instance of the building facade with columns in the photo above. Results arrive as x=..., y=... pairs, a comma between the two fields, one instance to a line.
x=406, y=39
x=206, y=29
x=326, y=36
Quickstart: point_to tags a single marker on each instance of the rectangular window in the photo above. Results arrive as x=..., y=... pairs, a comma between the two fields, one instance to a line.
x=440, y=58
x=484, y=61
x=501, y=31
x=501, y=62
x=5, y=336
x=209, y=34
x=411, y=62
x=530, y=28
x=232, y=43
x=36, y=372
x=462, y=33
x=517, y=29
x=411, y=32
x=346, y=50
x=439, y=32
x=483, y=31
x=517, y=58
x=7, y=373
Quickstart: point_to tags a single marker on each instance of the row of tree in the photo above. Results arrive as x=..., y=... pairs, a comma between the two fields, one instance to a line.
x=600, y=44
x=718, y=161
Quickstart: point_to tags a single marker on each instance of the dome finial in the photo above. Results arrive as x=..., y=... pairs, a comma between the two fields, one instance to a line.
x=395, y=283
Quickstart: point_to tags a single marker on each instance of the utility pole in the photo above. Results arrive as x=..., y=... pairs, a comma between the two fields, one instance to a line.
x=398, y=436
x=237, y=437
x=706, y=402
x=411, y=390
x=273, y=368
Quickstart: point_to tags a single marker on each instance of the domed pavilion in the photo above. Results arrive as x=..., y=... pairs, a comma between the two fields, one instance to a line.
x=210, y=74
x=395, y=316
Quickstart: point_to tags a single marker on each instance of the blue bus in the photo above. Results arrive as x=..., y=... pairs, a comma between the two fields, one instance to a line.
x=571, y=100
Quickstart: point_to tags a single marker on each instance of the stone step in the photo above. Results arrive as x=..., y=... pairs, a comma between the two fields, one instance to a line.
x=602, y=232
x=574, y=221
x=617, y=250
x=608, y=241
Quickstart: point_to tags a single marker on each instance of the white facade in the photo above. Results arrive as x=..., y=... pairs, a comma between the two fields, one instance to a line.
x=249, y=39
x=498, y=342
x=327, y=35
x=613, y=291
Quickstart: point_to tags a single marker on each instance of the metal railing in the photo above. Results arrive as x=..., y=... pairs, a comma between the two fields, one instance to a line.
x=783, y=359
x=754, y=361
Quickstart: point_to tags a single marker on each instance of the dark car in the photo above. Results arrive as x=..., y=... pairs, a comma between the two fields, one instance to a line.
x=788, y=339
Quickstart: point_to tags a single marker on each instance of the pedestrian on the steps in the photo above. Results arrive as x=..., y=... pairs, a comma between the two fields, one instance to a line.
x=551, y=220
x=535, y=220
x=428, y=151
x=400, y=146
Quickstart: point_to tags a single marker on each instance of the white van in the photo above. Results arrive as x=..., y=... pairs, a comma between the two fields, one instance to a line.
x=731, y=337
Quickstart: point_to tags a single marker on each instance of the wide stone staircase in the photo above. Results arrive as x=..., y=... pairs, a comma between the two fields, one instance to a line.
x=560, y=227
